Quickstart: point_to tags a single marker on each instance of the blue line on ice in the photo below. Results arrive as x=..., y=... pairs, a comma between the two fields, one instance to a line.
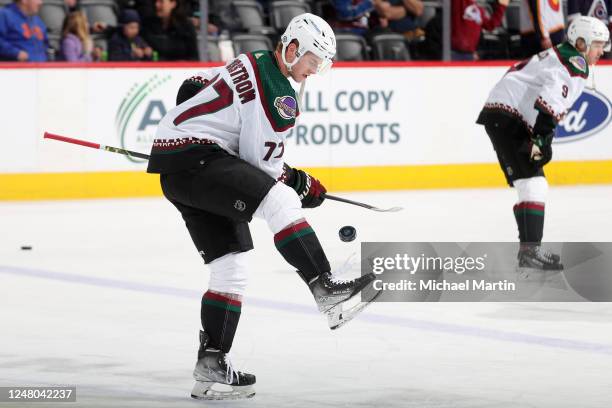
x=472, y=331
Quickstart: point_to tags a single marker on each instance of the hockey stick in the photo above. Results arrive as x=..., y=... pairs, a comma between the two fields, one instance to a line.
x=357, y=203
x=130, y=153
x=96, y=146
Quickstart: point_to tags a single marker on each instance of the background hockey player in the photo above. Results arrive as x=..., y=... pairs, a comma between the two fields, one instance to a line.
x=220, y=156
x=520, y=116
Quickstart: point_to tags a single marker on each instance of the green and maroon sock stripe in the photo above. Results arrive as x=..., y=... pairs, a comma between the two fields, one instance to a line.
x=222, y=302
x=292, y=232
x=529, y=207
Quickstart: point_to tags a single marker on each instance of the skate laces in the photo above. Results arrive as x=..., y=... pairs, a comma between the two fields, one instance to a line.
x=346, y=267
x=548, y=256
x=229, y=371
x=330, y=280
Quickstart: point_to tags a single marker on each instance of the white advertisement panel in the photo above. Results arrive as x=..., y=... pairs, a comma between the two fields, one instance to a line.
x=351, y=117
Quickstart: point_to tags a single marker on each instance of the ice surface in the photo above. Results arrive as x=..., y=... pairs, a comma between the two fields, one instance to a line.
x=108, y=300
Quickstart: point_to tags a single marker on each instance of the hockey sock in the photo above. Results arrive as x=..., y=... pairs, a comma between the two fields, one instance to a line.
x=299, y=245
x=220, y=315
x=530, y=221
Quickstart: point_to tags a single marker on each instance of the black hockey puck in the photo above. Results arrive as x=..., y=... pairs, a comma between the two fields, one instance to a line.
x=347, y=233
x=26, y=248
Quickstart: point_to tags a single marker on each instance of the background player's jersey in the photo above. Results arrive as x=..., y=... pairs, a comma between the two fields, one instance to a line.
x=550, y=81
x=541, y=16
x=246, y=108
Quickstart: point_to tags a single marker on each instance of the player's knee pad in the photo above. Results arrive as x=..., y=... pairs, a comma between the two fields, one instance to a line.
x=228, y=274
x=280, y=207
x=532, y=189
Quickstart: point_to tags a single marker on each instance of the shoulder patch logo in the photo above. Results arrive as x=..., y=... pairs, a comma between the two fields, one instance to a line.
x=258, y=55
x=286, y=106
x=579, y=63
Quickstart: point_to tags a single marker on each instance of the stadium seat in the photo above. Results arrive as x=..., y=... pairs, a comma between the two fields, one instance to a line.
x=55, y=44
x=513, y=27
x=513, y=18
x=390, y=47
x=350, y=47
x=250, y=13
x=53, y=13
x=250, y=42
x=430, y=8
x=281, y=12
x=214, y=53
x=104, y=11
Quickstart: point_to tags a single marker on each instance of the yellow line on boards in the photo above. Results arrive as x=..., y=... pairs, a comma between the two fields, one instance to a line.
x=62, y=186
x=122, y=184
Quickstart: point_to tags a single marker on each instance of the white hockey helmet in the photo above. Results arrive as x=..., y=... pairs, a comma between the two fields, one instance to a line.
x=312, y=34
x=589, y=29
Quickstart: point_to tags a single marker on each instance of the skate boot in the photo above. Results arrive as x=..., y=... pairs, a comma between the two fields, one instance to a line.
x=333, y=297
x=534, y=258
x=214, y=369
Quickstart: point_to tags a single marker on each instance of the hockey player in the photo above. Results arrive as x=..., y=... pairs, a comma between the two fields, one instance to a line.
x=520, y=116
x=220, y=157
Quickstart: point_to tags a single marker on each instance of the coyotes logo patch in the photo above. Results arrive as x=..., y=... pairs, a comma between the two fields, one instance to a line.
x=579, y=63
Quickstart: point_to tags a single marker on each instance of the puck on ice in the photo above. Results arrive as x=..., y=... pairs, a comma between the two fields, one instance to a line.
x=26, y=248
x=347, y=233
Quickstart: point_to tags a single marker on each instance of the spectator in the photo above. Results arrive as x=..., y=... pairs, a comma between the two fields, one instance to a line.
x=542, y=25
x=600, y=9
x=468, y=18
x=223, y=14
x=352, y=15
x=211, y=28
x=126, y=44
x=145, y=8
x=71, y=5
x=23, y=35
x=401, y=16
x=77, y=45
x=170, y=32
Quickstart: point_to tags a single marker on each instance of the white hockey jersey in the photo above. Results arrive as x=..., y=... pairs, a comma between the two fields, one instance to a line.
x=550, y=81
x=246, y=108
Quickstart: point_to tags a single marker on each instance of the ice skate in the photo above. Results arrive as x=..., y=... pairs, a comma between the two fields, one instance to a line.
x=533, y=259
x=339, y=300
x=215, y=377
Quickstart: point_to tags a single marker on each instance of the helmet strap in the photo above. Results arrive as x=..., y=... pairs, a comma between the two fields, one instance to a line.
x=299, y=100
x=288, y=65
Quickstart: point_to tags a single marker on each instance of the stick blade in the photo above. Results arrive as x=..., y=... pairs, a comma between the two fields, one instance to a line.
x=392, y=209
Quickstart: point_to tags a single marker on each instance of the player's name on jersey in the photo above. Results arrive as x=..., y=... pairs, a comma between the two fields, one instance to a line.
x=349, y=101
x=444, y=285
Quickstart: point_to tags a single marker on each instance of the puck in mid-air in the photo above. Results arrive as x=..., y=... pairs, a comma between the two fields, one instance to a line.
x=347, y=233
x=26, y=248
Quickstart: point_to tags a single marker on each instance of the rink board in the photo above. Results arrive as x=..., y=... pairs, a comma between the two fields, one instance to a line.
x=363, y=127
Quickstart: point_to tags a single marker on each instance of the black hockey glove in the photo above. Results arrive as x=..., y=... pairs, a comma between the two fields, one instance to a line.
x=308, y=188
x=540, y=149
x=540, y=144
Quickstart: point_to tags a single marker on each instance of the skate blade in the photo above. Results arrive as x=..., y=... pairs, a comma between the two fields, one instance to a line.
x=203, y=390
x=337, y=317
